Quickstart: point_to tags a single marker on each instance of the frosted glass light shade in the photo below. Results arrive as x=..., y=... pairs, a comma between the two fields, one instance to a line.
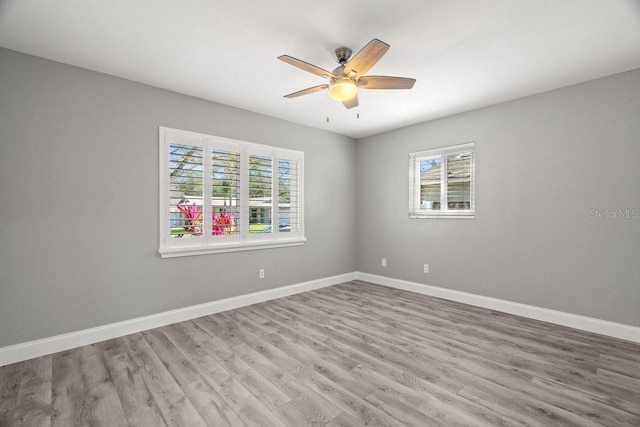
x=343, y=89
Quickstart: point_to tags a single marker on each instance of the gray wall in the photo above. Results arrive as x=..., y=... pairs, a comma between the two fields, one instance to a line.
x=79, y=202
x=543, y=164
x=78, y=159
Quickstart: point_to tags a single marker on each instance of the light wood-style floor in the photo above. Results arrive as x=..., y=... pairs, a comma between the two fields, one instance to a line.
x=348, y=355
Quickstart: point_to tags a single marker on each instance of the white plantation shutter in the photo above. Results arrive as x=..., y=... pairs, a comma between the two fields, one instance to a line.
x=225, y=192
x=442, y=182
x=220, y=195
x=458, y=173
x=184, y=212
x=289, y=196
x=260, y=179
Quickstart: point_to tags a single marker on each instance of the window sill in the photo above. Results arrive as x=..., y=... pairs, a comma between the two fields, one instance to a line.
x=235, y=247
x=444, y=216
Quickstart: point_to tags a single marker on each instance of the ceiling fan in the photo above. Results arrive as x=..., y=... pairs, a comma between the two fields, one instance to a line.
x=345, y=80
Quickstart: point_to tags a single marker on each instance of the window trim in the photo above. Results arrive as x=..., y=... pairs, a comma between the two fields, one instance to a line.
x=414, y=182
x=246, y=241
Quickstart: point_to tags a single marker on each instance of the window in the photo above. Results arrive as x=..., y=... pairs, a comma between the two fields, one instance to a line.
x=223, y=195
x=442, y=182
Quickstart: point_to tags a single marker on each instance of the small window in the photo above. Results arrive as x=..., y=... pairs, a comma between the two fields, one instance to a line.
x=442, y=182
x=223, y=195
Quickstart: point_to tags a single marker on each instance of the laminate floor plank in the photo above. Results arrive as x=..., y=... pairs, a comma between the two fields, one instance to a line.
x=335, y=366
x=10, y=379
x=140, y=408
x=233, y=393
x=345, y=420
x=522, y=410
x=601, y=388
x=175, y=407
x=176, y=363
x=575, y=338
x=199, y=344
x=514, y=353
x=452, y=312
x=493, y=419
x=326, y=377
x=407, y=414
x=296, y=379
x=401, y=366
x=420, y=322
x=306, y=407
x=440, y=406
x=348, y=355
x=33, y=399
x=566, y=370
x=415, y=360
x=410, y=324
x=620, y=365
x=102, y=404
x=584, y=405
x=624, y=382
x=68, y=393
x=246, y=407
x=522, y=357
x=393, y=333
x=489, y=328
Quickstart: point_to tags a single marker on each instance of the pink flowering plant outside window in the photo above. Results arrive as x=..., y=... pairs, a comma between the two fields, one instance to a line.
x=222, y=223
x=193, y=219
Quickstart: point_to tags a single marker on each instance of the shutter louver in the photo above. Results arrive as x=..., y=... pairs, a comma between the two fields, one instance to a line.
x=459, y=181
x=185, y=190
x=289, y=195
x=225, y=192
x=430, y=183
x=260, y=193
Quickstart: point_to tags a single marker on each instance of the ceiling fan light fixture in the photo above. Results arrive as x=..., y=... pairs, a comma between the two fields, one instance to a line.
x=350, y=75
x=343, y=89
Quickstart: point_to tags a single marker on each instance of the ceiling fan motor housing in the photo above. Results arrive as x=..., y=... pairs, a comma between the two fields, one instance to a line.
x=343, y=54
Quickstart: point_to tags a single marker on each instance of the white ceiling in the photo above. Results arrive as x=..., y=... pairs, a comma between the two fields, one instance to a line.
x=464, y=54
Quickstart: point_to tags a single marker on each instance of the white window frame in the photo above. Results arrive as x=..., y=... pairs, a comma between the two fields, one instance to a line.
x=415, y=178
x=243, y=241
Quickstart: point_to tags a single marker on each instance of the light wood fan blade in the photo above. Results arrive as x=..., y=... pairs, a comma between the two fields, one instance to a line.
x=310, y=68
x=353, y=102
x=366, y=58
x=307, y=91
x=385, y=82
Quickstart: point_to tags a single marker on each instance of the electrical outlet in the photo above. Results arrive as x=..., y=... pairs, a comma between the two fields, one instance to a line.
x=384, y=262
x=261, y=273
x=426, y=268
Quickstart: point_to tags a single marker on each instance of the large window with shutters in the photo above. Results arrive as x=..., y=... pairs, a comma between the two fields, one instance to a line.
x=223, y=195
x=442, y=182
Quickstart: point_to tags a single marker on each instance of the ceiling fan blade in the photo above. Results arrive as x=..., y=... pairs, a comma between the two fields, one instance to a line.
x=385, y=82
x=307, y=91
x=306, y=66
x=353, y=102
x=366, y=58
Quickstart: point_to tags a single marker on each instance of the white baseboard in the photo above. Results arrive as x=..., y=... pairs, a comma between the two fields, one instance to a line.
x=603, y=327
x=45, y=346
